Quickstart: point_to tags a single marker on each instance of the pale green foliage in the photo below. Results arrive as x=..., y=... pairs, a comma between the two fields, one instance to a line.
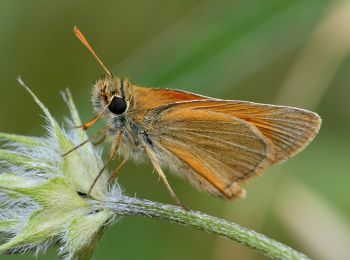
x=39, y=203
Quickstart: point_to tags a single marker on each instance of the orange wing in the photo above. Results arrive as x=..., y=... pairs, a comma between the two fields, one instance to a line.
x=290, y=129
x=151, y=98
x=219, y=144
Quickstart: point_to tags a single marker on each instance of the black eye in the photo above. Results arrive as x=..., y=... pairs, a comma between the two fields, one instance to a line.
x=118, y=105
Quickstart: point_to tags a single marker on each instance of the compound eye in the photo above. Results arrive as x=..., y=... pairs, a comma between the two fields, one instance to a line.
x=118, y=105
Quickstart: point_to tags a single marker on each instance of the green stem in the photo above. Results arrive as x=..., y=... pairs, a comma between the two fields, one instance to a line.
x=126, y=206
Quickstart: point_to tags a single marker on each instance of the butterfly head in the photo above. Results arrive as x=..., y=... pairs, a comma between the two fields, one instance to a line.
x=111, y=94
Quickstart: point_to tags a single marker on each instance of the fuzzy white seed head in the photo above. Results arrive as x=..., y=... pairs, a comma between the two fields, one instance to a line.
x=40, y=203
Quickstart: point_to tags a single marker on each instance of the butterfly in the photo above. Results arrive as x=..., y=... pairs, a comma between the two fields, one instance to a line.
x=217, y=145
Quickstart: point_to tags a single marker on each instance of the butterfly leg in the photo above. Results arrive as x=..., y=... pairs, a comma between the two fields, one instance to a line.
x=115, y=172
x=161, y=174
x=87, y=140
x=110, y=158
x=93, y=121
x=100, y=141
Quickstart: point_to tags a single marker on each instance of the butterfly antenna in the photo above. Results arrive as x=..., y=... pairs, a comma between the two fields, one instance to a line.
x=82, y=38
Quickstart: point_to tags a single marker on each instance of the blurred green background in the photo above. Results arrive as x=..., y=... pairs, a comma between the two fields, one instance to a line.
x=290, y=52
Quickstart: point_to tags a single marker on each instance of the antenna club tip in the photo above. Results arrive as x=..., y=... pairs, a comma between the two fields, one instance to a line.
x=82, y=38
x=76, y=30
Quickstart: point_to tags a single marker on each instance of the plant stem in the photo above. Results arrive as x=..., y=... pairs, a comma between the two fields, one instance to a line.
x=126, y=206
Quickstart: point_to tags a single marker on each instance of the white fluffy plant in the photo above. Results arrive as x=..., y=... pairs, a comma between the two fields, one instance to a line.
x=41, y=193
x=43, y=198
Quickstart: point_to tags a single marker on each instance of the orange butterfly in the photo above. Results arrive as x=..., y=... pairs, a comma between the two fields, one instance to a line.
x=217, y=145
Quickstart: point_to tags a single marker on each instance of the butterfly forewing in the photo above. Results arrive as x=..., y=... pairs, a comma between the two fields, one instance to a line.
x=290, y=129
x=218, y=144
x=215, y=151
